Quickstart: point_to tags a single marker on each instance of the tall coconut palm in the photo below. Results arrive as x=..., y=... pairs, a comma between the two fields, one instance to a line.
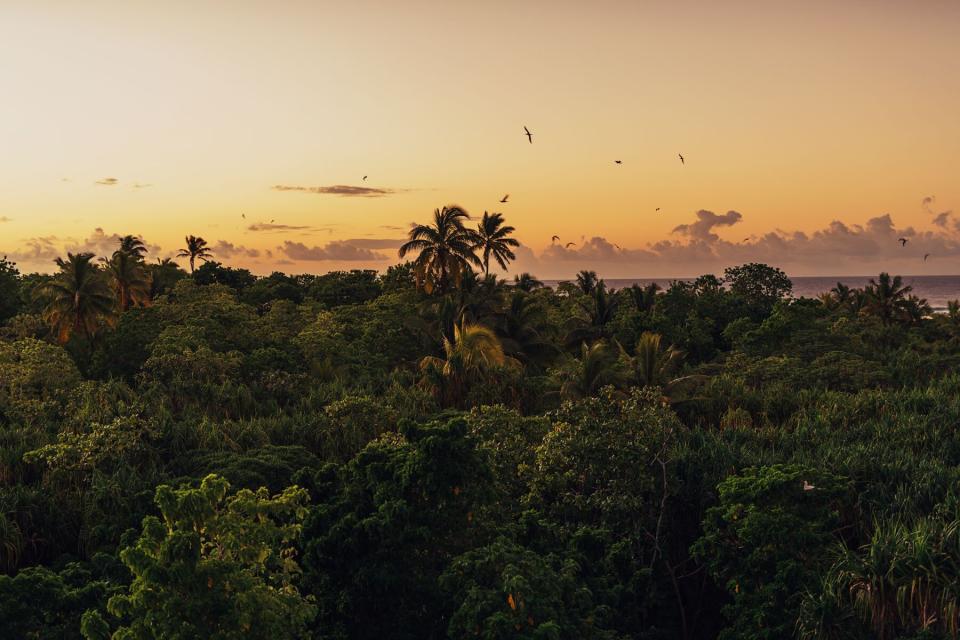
x=598, y=366
x=134, y=247
x=446, y=250
x=526, y=282
x=129, y=279
x=598, y=309
x=587, y=281
x=652, y=363
x=77, y=298
x=492, y=239
x=886, y=298
x=522, y=325
x=163, y=275
x=644, y=297
x=196, y=249
x=473, y=350
x=953, y=311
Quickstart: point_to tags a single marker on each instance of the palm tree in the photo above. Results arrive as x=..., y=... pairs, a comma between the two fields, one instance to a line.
x=887, y=299
x=587, y=281
x=446, y=250
x=129, y=279
x=77, y=298
x=598, y=310
x=521, y=326
x=644, y=298
x=526, y=282
x=473, y=350
x=598, y=366
x=492, y=240
x=163, y=275
x=953, y=311
x=842, y=293
x=134, y=247
x=196, y=248
x=653, y=364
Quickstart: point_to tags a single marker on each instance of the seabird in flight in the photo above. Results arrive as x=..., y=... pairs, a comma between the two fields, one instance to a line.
x=682, y=161
x=554, y=238
x=504, y=198
x=569, y=244
x=529, y=135
x=902, y=241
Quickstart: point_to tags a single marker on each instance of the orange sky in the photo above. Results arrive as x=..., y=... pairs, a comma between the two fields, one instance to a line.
x=794, y=114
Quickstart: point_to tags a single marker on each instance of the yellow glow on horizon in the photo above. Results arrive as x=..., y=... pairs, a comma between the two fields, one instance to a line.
x=793, y=114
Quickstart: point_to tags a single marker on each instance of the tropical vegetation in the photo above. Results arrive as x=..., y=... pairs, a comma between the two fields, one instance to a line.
x=438, y=451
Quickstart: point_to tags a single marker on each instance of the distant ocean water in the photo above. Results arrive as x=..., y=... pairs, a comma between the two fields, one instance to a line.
x=936, y=289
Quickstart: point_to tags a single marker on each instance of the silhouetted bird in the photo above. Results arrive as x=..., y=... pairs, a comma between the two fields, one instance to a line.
x=618, y=246
x=243, y=215
x=554, y=238
x=925, y=256
x=504, y=198
x=364, y=178
x=902, y=241
x=271, y=222
x=745, y=239
x=682, y=161
x=617, y=162
x=529, y=135
x=658, y=209
x=569, y=244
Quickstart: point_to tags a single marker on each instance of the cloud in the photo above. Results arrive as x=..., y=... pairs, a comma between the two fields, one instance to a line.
x=140, y=185
x=838, y=248
x=702, y=229
x=107, y=182
x=35, y=252
x=376, y=243
x=269, y=226
x=335, y=250
x=224, y=249
x=942, y=219
x=393, y=227
x=338, y=190
x=5, y=219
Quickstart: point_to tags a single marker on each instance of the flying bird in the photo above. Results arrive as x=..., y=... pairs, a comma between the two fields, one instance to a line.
x=658, y=208
x=569, y=244
x=364, y=178
x=243, y=215
x=618, y=246
x=902, y=241
x=682, y=161
x=554, y=238
x=617, y=162
x=925, y=256
x=529, y=135
x=504, y=198
x=271, y=222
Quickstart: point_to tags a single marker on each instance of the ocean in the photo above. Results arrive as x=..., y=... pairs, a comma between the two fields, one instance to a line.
x=936, y=289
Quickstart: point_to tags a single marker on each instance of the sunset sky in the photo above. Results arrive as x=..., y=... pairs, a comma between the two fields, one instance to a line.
x=804, y=126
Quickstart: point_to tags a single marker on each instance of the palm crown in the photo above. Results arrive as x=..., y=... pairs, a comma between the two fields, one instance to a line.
x=77, y=298
x=196, y=248
x=492, y=240
x=446, y=249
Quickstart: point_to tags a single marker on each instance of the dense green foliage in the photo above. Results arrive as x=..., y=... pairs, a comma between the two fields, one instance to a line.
x=435, y=453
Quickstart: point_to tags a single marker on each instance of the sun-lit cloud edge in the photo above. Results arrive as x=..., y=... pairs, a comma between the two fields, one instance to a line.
x=693, y=248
